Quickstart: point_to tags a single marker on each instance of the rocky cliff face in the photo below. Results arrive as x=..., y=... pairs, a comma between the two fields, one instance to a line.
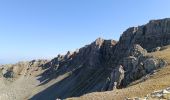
x=154, y=34
x=134, y=44
x=104, y=64
x=88, y=67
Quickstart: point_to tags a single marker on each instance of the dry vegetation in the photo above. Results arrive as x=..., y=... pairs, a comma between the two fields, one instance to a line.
x=160, y=80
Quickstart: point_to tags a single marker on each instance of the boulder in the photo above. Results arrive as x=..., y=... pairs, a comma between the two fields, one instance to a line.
x=8, y=74
x=151, y=64
x=156, y=49
x=137, y=51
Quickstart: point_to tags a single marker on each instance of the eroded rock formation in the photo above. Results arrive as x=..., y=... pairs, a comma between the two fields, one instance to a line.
x=103, y=65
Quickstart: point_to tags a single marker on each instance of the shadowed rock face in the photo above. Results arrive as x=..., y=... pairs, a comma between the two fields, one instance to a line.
x=104, y=64
x=88, y=67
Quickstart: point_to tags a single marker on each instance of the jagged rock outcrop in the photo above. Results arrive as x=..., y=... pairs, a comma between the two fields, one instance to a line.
x=88, y=70
x=154, y=34
x=139, y=64
x=93, y=67
x=103, y=65
x=133, y=46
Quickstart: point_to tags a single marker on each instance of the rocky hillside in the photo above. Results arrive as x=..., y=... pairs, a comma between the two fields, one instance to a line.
x=100, y=66
x=153, y=86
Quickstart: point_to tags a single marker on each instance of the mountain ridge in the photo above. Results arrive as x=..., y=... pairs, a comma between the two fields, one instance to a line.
x=102, y=65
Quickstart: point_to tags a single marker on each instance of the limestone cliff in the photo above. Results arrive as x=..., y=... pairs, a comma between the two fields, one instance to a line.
x=100, y=66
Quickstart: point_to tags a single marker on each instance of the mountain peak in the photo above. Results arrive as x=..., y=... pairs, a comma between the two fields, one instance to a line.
x=99, y=41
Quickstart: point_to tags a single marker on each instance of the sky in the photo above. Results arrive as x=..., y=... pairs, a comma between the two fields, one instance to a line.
x=41, y=29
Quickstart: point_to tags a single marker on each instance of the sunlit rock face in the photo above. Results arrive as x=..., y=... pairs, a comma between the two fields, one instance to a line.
x=100, y=66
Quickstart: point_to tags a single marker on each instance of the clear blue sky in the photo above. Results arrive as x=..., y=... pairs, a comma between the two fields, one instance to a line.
x=32, y=29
